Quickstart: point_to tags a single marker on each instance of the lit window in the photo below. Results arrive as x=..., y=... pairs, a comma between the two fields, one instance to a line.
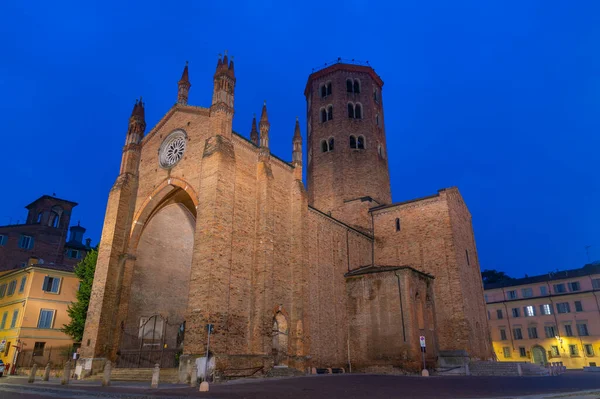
x=46, y=318
x=529, y=311
x=522, y=352
x=589, y=349
x=506, y=351
x=546, y=309
x=51, y=284
x=573, y=350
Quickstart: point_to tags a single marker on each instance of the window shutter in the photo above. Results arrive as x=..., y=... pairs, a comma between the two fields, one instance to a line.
x=45, y=285
x=30, y=243
x=55, y=284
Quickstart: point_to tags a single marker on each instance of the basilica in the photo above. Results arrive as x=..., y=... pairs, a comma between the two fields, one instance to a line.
x=207, y=232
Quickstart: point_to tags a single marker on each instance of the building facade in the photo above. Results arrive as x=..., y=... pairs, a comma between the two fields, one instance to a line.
x=205, y=226
x=33, y=309
x=553, y=317
x=44, y=235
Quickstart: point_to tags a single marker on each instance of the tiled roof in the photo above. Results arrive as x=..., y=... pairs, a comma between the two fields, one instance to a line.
x=593, y=268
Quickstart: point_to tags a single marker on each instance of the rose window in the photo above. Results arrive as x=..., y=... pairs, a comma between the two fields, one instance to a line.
x=172, y=149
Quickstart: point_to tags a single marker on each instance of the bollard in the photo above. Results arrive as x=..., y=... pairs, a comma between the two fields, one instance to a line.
x=155, y=376
x=32, y=372
x=467, y=369
x=66, y=374
x=204, y=386
x=519, y=370
x=47, y=373
x=329, y=370
x=313, y=370
x=106, y=374
x=194, y=375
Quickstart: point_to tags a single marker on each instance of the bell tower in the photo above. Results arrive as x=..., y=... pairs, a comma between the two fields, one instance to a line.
x=347, y=171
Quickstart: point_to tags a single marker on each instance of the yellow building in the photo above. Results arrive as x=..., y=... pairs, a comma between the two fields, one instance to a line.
x=33, y=309
x=549, y=318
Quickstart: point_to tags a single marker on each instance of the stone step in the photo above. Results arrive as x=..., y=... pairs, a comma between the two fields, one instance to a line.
x=284, y=372
x=506, y=368
x=142, y=374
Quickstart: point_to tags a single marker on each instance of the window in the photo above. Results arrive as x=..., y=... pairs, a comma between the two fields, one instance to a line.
x=511, y=294
x=323, y=115
x=2, y=290
x=3, y=322
x=54, y=219
x=328, y=88
x=532, y=332
x=22, y=286
x=13, y=322
x=526, y=292
x=51, y=284
x=554, y=351
x=516, y=312
x=361, y=143
x=568, y=330
x=506, y=351
x=503, y=335
x=380, y=151
x=543, y=290
x=349, y=86
x=550, y=331
x=574, y=286
x=350, y=110
x=397, y=224
x=529, y=311
x=499, y=314
x=578, y=306
x=517, y=333
x=485, y=298
x=356, y=86
x=589, y=349
x=39, y=218
x=331, y=142
x=563, y=307
x=489, y=315
x=324, y=146
x=522, y=352
x=352, y=142
x=26, y=242
x=377, y=119
x=546, y=309
x=330, y=112
x=3, y=239
x=596, y=283
x=559, y=288
x=573, y=350
x=73, y=253
x=358, y=111
x=46, y=318
x=12, y=286
x=375, y=96
x=467, y=256
x=582, y=330
x=38, y=348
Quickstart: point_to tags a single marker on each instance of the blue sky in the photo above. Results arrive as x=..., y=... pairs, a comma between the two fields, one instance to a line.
x=499, y=98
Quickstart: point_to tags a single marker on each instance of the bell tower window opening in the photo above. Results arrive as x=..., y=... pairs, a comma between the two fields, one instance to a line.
x=328, y=88
x=39, y=217
x=358, y=111
x=324, y=146
x=323, y=115
x=356, y=86
x=349, y=85
x=323, y=91
x=361, y=143
x=331, y=142
x=375, y=96
x=352, y=142
x=330, y=112
x=350, y=110
x=397, y=224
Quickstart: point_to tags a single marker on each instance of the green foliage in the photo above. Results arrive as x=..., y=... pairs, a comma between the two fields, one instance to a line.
x=78, y=310
x=494, y=276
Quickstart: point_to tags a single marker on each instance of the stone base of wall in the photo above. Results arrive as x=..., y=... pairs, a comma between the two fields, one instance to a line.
x=89, y=366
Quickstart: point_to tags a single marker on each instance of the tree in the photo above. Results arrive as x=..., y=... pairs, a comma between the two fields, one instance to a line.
x=494, y=276
x=77, y=310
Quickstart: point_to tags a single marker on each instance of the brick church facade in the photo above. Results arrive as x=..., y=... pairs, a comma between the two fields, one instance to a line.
x=204, y=226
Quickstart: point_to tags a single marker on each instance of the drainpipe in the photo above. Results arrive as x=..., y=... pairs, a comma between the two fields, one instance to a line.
x=594, y=292
x=512, y=342
x=373, y=245
x=347, y=250
x=401, y=308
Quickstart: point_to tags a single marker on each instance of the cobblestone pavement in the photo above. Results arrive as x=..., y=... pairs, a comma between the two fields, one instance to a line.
x=334, y=386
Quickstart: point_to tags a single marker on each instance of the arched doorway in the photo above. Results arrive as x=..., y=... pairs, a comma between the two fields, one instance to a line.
x=539, y=355
x=158, y=294
x=280, y=339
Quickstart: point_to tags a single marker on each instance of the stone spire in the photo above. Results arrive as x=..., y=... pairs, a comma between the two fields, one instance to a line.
x=254, y=131
x=297, y=145
x=264, y=127
x=184, y=86
x=137, y=123
x=224, y=83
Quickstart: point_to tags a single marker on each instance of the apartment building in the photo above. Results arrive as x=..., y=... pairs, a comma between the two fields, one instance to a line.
x=553, y=317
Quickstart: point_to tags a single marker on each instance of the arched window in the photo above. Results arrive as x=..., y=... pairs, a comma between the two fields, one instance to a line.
x=377, y=119
x=323, y=115
x=324, y=147
x=39, y=218
x=358, y=111
x=375, y=96
x=349, y=86
x=356, y=86
x=331, y=144
x=352, y=142
x=54, y=219
x=380, y=151
x=361, y=143
x=397, y=224
x=328, y=88
x=350, y=110
x=323, y=91
x=330, y=112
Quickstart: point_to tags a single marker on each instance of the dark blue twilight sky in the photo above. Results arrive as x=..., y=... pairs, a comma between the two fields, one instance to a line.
x=500, y=98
